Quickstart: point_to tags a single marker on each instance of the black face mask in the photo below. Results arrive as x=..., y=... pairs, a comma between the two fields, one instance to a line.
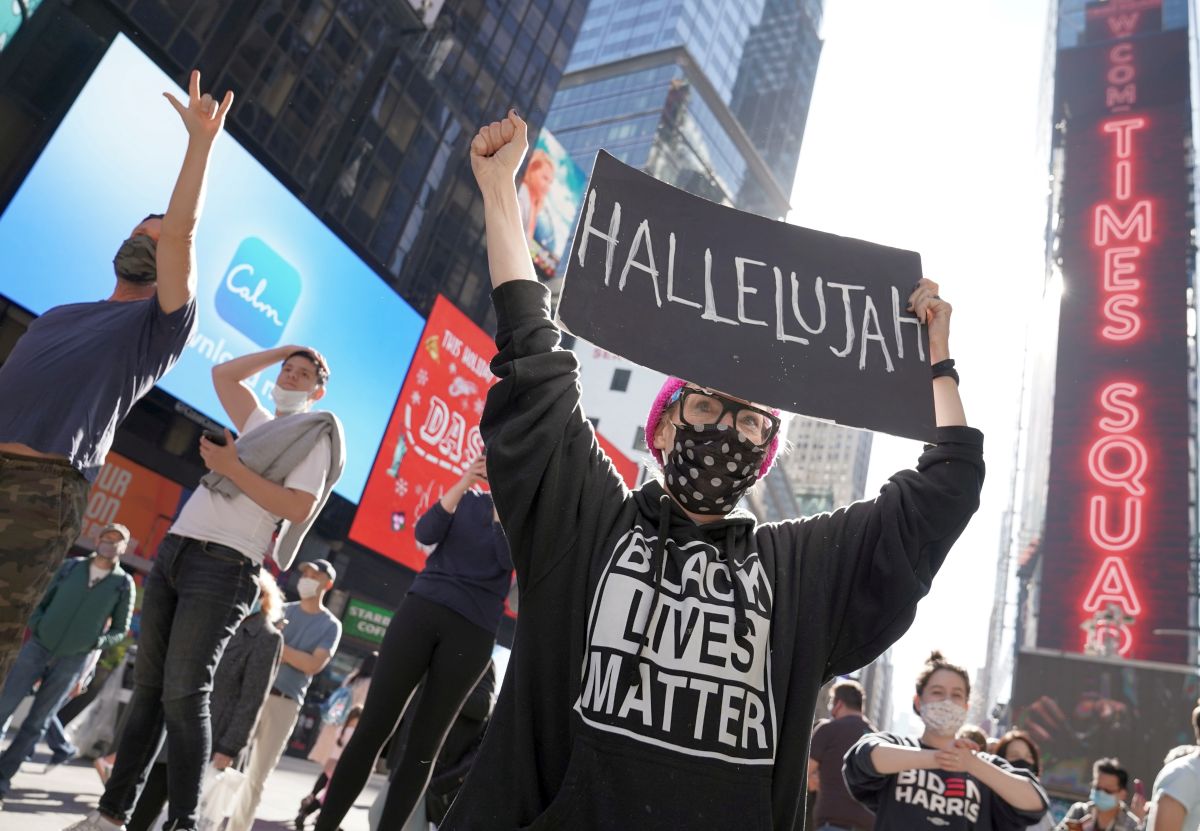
x=1022, y=764
x=136, y=260
x=710, y=467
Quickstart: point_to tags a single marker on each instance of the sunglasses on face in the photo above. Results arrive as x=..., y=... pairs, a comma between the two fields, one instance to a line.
x=702, y=408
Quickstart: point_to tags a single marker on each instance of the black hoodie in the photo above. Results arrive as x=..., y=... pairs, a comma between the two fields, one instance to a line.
x=664, y=673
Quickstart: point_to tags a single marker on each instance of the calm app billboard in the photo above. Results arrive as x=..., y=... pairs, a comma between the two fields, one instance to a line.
x=270, y=274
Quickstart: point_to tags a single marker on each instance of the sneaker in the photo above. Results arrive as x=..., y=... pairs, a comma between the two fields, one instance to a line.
x=56, y=760
x=308, y=805
x=103, y=768
x=95, y=822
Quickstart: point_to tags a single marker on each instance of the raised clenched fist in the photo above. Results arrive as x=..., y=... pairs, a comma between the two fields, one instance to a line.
x=498, y=149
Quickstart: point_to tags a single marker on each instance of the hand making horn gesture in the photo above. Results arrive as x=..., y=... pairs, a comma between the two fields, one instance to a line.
x=498, y=149
x=203, y=116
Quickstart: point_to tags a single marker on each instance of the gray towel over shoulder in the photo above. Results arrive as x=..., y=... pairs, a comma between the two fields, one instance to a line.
x=273, y=450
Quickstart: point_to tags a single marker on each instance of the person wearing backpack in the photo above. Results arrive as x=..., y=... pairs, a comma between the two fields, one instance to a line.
x=88, y=606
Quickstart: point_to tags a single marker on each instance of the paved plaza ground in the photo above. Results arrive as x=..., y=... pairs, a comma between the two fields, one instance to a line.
x=42, y=801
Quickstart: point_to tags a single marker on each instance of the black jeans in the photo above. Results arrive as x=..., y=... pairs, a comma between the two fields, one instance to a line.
x=423, y=639
x=152, y=800
x=195, y=597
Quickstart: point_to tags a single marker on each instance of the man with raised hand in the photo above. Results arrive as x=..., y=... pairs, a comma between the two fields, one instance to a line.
x=75, y=374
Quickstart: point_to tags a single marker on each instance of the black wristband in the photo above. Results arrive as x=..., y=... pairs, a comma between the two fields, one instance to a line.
x=945, y=369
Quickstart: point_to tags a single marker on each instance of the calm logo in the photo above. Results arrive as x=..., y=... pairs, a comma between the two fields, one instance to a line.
x=259, y=292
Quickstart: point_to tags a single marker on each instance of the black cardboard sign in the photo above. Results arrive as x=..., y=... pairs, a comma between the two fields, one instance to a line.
x=809, y=322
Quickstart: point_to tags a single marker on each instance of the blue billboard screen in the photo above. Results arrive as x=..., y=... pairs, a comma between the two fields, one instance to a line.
x=271, y=272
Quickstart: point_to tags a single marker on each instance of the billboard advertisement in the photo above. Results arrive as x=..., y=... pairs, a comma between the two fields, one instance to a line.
x=135, y=496
x=366, y=621
x=626, y=467
x=433, y=434
x=1115, y=561
x=550, y=194
x=1082, y=709
x=271, y=272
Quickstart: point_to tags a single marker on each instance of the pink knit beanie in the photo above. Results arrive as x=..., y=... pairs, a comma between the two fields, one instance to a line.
x=671, y=386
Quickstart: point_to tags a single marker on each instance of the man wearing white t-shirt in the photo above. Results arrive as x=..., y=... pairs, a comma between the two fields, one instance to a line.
x=259, y=498
x=1176, y=802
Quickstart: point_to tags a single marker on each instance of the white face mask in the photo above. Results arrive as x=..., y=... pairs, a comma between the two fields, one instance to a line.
x=108, y=550
x=308, y=587
x=290, y=401
x=943, y=717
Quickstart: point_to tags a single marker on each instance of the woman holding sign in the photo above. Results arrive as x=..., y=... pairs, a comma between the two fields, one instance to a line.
x=671, y=650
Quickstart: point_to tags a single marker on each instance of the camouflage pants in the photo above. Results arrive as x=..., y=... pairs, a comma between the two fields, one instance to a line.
x=41, y=510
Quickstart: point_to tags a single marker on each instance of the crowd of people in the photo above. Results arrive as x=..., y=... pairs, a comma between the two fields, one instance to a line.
x=955, y=776
x=670, y=651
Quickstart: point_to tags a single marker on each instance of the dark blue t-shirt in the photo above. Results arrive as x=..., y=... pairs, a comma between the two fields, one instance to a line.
x=471, y=569
x=79, y=369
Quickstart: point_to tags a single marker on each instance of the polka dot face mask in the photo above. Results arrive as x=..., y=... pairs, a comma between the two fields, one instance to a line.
x=710, y=467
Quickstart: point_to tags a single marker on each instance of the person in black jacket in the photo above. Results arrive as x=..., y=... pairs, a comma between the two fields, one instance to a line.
x=444, y=631
x=240, y=686
x=461, y=748
x=670, y=652
x=937, y=779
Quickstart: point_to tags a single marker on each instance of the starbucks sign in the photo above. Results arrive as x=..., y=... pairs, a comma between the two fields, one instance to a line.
x=366, y=621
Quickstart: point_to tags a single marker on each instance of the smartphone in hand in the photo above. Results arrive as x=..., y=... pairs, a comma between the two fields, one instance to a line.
x=215, y=437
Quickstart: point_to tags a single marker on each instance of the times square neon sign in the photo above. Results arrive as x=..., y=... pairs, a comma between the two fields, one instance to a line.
x=1118, y=460
x=1113, y=565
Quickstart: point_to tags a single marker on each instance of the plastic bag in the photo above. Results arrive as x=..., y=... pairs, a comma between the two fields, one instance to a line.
x=337, y=706
x=218, y=795
x=93, y=731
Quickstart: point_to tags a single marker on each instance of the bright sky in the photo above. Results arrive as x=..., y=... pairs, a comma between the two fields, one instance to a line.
x=922, y=135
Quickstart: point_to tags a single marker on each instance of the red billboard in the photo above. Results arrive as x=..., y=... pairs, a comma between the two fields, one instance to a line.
x=135, y=496
x=1115, y=553
x=432, y=436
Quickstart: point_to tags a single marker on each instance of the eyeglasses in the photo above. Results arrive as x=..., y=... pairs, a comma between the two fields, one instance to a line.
x=1106, y=790
x=700, y=408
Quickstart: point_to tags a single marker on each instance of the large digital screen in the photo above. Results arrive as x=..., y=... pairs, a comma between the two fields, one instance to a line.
x=550, y=195
x=1116, y=550
x=135, y=496
x=1079, y=710
x=271, y=273
x=432, y=437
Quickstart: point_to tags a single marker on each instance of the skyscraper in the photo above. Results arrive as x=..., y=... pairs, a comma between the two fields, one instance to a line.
x=364, y=110
x=707, y=95
x=826, y=462
x=710, y=96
